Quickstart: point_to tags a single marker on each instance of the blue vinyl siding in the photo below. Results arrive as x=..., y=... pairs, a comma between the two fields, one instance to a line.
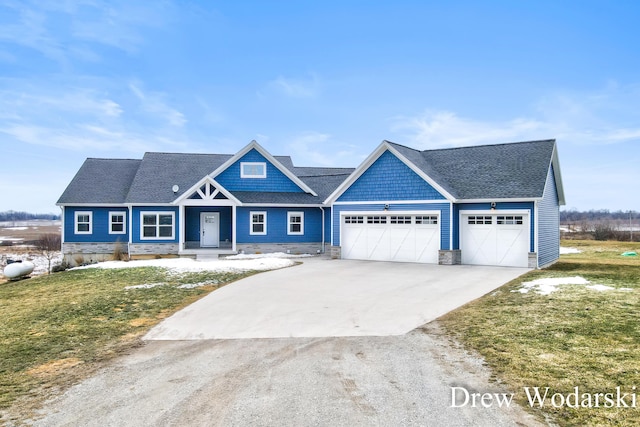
x=136, y=224
x=192, y=222
x=549, y=223
x=487, y=206
x=277, y=224
x=327, y=225
x=99, y=225
x=444, y=208
x=275, y=182
x=389, y=179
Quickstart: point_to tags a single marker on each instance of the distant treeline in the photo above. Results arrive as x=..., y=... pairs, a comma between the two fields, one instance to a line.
x=596, y=215
x=26, y=216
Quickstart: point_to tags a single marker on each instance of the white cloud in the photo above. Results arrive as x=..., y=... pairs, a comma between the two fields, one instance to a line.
x=317, y=149
x=296, y=88
x=153, y=102
x=607, y=116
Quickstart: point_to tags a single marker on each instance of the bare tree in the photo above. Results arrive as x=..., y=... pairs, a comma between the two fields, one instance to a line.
x=49, y=244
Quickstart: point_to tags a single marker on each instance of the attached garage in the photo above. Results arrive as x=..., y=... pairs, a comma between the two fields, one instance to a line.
x=495, y=239
x=403, y=237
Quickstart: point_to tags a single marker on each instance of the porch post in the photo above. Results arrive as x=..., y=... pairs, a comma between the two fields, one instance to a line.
x=183, y=231
x=233, y=228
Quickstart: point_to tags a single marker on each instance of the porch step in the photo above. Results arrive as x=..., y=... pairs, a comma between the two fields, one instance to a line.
x=206, y=257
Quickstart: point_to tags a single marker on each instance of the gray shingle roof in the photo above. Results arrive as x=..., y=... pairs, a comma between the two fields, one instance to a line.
x=101, y=181
x=501, y=171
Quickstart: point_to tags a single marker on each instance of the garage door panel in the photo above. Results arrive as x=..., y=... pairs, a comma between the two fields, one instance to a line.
x=391, y=239
x=495, y=239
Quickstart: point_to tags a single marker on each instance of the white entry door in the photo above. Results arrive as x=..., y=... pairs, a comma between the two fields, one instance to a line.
x=495, y=239
x=210, y=229
x=413, y=237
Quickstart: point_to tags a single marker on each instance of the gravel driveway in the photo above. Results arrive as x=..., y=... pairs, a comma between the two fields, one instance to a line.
x=349, y=381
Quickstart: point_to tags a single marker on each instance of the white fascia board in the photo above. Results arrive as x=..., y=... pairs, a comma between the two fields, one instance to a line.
x=393, y=202
x=555, y=161
x=254, y=145
x=516, y=200
x=97, y=205
x=206, y=179
x=391, y=213
x=385, y=146
x=281, y=205
x=144, y=205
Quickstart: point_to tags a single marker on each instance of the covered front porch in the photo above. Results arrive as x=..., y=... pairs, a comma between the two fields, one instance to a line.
x=207, y=230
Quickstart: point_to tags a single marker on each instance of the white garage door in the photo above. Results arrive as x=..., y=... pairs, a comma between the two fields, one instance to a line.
x=404, y=238
x=495, y=239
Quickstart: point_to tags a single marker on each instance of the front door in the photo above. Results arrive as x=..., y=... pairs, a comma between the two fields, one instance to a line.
x=210, y=229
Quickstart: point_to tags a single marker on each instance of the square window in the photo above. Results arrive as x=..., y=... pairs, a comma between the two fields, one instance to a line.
x=83, y=222
x=258, y=224
x=296, y=223
x=253, y=170
x=157, y=225
x=117, y=223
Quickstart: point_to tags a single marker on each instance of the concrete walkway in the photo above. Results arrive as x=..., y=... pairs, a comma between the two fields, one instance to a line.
x=333, y=298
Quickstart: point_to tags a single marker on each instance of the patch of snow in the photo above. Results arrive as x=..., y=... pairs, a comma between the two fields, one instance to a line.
x=600, y=288
x=550, y=285
x=197, y=285
x=271, y=255
x=13, y=239
x=40, y=261
x=145, y=286
x=566, y=251
x=188, y=265
x=16, y=228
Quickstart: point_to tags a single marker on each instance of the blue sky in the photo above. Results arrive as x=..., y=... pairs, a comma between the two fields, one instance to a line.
x=324, y=82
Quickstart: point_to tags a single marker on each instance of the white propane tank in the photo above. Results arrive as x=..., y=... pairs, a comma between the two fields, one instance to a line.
x=18, y=269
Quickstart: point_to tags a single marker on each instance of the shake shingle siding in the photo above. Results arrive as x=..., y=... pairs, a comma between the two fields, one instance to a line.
x=549, y=223
x=389, y=179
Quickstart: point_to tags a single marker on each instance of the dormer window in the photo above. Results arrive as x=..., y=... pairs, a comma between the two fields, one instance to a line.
x=253, y=170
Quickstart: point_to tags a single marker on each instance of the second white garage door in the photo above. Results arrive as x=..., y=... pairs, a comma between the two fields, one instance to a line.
x=495, y=239
x=380, y=237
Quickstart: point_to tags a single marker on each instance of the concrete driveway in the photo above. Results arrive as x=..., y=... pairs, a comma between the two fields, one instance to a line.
x=333, y=298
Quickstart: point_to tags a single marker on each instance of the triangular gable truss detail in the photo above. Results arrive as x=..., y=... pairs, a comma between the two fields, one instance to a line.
x=369, y=161
x=254, y=145
x=207, y=190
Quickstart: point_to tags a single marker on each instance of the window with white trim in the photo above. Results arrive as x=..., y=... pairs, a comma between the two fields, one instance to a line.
x=258, y=223
x=295, y=222
x=83, y=222
x=157, y=225
x=479, y=220
x=253, y=170
x=117, y=223
x=426, y=219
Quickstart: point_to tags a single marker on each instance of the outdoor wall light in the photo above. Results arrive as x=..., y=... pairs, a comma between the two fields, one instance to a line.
x=386, y=207
x=493, y=206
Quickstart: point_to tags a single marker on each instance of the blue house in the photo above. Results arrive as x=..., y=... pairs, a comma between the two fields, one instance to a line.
x=488, y=205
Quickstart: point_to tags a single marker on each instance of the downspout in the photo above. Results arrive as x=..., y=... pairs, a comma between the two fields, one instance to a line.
x=323, y=236
x=130, y=231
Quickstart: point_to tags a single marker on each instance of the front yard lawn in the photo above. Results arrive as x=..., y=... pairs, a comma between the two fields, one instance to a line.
x=56, y=329
x=576, y=336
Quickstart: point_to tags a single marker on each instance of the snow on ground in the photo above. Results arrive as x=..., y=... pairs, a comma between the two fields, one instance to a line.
x=566, y=251
x=188, y=265
x=40, y=261
x=549, y=285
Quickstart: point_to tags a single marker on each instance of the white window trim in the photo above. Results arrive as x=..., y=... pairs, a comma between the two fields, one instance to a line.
x=157, y=225
x=124, y=222
x=262, y=175
x=295, y=214
x=75, y=226
x=251, y=223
